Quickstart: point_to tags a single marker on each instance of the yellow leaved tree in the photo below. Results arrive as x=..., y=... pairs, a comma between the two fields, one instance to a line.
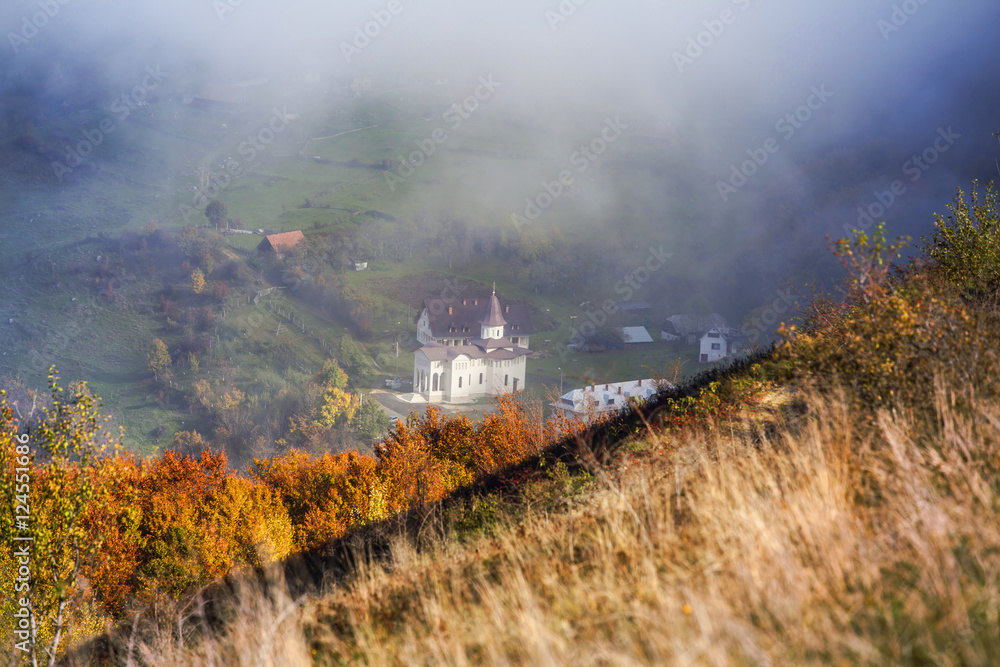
x=158, y=357
x=337, y=407
x=197, y=281
x=51, y=483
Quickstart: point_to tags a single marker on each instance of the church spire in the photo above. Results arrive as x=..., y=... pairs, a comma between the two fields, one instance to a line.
x=493, y=321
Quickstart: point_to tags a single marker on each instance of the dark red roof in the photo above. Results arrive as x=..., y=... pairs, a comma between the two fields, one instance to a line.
x=467, y=315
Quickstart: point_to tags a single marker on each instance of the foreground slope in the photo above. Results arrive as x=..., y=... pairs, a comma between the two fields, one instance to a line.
x=835, y=501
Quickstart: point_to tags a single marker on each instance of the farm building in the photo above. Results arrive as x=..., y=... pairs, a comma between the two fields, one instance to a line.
x=280, y=242
x=691, y=327
x=668, y=331
x=633, y=312
x=636, y=337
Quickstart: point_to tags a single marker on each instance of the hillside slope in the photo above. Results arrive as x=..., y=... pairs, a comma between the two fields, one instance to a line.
x=852, y=517
x=836, y=500
x=821, y=538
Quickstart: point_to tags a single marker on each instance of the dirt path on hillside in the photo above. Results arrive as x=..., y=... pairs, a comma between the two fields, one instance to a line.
x=339, y=134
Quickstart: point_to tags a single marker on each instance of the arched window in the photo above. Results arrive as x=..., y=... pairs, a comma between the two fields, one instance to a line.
x=505, y=378
x=459, y=383
x=434, y=382
x=480, y=378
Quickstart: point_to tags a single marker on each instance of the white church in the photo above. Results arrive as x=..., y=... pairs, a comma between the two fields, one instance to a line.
x=471, y=348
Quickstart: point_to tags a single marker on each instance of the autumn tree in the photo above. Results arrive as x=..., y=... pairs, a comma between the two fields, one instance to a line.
x=337, y=407
x=332, y=375
x=62, y=485
x=158, y=358
x=232, y=416
x=324, y=495
x=199, y=246
x=197, y=281
x=188, y=442
x=220, y=290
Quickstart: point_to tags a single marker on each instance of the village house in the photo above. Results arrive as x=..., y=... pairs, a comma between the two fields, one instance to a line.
x=471, y=349
x=714, y=346
x=587, y=403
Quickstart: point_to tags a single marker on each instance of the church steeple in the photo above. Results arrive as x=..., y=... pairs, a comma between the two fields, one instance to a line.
x=493, y=321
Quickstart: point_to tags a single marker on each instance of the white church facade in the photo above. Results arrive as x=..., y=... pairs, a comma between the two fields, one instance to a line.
x=471, y=349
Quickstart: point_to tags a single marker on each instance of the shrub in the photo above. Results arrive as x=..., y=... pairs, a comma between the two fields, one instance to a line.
x=894, y=334
x=965, y=246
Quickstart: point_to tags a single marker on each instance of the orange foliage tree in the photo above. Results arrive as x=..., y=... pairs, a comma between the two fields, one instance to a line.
x=171, y=524
x=324, y=495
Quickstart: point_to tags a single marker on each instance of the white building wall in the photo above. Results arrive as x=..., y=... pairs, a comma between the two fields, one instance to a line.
x=510, y=370
x=424, y=328
x=457, y=373
x=491, y=332
x=493, y=371
x=707, y=354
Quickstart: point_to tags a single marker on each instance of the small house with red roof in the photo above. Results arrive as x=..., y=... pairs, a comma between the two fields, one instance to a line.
x=281, y=242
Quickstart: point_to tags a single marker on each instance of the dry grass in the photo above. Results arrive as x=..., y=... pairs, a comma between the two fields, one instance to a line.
x=260, y=629
x=834, y=542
